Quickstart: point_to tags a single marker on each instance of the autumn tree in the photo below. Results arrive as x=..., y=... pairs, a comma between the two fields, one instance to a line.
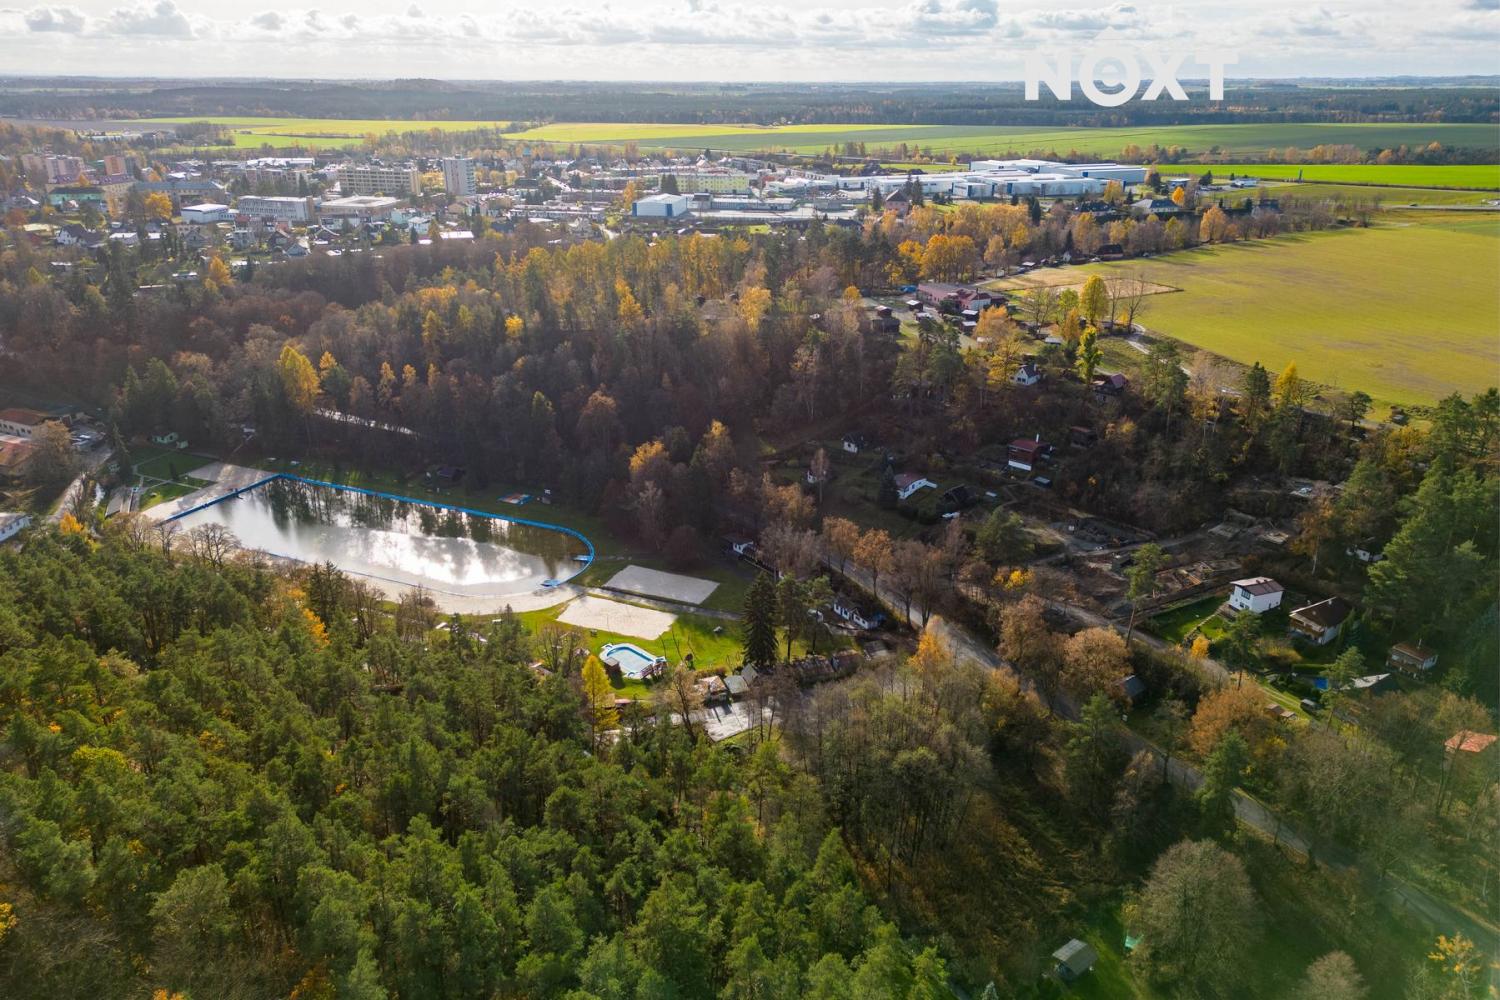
x=1089, y=355
x=599, y=699
x=1196, y=919
x=1332, y=977
x=1094, y=661
x=1094, y=299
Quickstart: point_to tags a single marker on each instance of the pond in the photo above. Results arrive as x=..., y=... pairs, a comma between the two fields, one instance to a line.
x=397, y=543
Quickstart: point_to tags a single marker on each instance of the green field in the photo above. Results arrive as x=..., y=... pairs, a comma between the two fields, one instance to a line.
x=936, y=139
x=1389, y=197
x=995, y=140
x=320, y=133
x=1481, y=177
x=1404, y=311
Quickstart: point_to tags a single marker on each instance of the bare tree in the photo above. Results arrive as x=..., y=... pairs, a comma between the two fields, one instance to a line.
x=212, y=543
x=821, y=469
x=562, y=649
x=164, y=534
x=684, y=694
x=416, y=614
x=1128, y=296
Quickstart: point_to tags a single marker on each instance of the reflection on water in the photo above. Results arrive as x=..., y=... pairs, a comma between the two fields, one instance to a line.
x=392, y=540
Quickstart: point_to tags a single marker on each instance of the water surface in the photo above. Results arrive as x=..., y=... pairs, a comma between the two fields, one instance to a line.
x=398, y=543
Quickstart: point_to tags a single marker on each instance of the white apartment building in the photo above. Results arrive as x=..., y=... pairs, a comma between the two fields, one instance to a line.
x=281, y=208
x=711, y=182
x=370, y=178
x=458, y=176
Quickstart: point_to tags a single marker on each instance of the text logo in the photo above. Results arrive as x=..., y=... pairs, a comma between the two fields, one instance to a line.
x=1110, y=76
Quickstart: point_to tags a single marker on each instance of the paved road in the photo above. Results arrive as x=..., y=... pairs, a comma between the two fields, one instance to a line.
x=91, y=461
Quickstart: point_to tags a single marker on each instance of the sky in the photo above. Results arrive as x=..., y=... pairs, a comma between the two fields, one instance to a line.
x=735, y=40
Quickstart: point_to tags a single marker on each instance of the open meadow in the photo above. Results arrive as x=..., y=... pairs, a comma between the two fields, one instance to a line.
x=1483, y=177
x=1388, y=197
x=935, y=140
x=1403, y=310
x=319, y=133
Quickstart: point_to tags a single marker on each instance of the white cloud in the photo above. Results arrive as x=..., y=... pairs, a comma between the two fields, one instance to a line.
x=66, y=20
x=741, y=39
x=161, y=18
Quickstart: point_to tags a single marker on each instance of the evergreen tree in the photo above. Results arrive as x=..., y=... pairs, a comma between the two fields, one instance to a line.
x=760, y=622
x=1221, y=776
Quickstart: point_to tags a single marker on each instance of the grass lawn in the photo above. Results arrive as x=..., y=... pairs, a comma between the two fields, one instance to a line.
x=1342, y=304
x=162, y=492
x=166, y=464
x=712, y=653
x=1481, y=176
x=689, y=634
x=1390, y=197
x=1177, y=623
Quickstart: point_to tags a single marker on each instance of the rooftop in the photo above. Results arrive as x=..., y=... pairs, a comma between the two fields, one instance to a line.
x=1467, y=742
x=1259, y=586
x=1326, y=613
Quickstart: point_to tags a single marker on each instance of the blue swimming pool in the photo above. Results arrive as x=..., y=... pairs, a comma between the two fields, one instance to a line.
x=631, y=660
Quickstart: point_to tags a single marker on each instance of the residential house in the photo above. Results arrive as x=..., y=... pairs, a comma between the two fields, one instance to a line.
x=21, y=422
x=1110, y=385
x=854, y=442
x=946, y=297
x=1133, y=688
x=1027, y=374
x=75, y=235
x=908, y=483
x=856, y=612
x=1321, y=622
x=1411, y=658
x=739, y=545
x=15, y=453
x=12, y=524
x=1025, y=454
x=1258, y=594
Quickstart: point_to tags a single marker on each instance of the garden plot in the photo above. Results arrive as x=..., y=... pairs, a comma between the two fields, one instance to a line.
x=612, y=616
x=654, y=583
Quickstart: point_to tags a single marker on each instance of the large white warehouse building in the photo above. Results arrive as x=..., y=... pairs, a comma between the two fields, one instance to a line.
x=983, y=179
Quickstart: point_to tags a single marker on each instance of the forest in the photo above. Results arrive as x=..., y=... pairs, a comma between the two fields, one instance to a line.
x=945, y=104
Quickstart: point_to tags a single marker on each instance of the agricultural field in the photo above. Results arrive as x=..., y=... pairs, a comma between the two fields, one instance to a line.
x=936, y=140
x=1483, y=177
x=1402, y=310
x=1389, y=197
x=939, y=140
x=319, y=133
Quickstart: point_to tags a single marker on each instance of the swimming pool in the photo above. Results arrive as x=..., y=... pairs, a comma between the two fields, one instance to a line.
x=631, y=660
